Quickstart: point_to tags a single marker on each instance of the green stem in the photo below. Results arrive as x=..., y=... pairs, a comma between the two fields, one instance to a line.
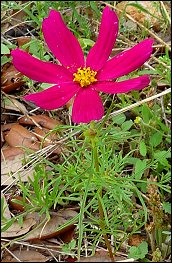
x=153, y=128
x=101, y=213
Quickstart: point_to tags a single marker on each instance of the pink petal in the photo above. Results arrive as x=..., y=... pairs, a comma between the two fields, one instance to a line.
x=54, y=97
x=87, y=106
x=127, y=61
x=101, y=51
x=123, y=86
x=61, y=41
x=38, y=70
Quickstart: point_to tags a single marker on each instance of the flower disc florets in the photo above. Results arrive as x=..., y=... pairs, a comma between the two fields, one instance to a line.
x=85, y=76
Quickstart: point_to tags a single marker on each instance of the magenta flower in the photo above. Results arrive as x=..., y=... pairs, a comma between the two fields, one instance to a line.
x=80, y=78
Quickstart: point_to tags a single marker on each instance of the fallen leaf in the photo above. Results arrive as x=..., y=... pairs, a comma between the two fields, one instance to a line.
x=49, y=229
x=71, y=259
x=42, y=120
x=13, y=104
x=41, y=133
x=10, y=168
x=27, y=256
x=136, y=239
x=67, y=236
x=22, y=41
x=12, y=87
x=100, y=256
x=21, y=137
x=7, y=126
x=139, y=15
x=10, y=153
x=47, y=140
x=11, y=79
x=17, y=206
x=16, y=230
x=17, y=16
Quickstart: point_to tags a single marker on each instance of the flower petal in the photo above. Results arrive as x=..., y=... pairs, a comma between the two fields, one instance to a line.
x=61, y=41
x=101, y=51
x=87, y=106
x=127, y=61
x=54, y=97
x=39, y=70
x=123, y=86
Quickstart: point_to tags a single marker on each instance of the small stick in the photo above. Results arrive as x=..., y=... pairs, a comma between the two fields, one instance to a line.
x=140, y=102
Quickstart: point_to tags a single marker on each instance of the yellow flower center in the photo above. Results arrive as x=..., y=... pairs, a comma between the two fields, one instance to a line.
x=85, y=76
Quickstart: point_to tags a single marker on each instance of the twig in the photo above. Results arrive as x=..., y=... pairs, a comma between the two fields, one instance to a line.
x=14, y=14
x=165, y=11
x=52, y=255
x=126, y=260
x=14, y=256
x=163, y=111
x=19, y=24
x=36, y=157
x=140, y=102
x=5, y=40
x=148, y=66
x=160, y=62
x=43, y=247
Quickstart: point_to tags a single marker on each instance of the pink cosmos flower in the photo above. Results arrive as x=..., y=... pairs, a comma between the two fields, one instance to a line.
x=80, y=78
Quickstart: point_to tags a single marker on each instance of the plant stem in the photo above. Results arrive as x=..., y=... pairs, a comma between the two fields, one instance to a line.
x=102, y=226
x=101, y=213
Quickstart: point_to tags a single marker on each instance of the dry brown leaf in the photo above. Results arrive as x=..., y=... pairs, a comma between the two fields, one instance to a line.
x=16, y=206
x=41, y=133
x=13, y=104
x=49, y=229
x=4, y=130
x=9, y=168
x=17, y=16
x=42, y=120
x=10, y=153
x=7, y=126
x=12, y=87
x=27, y=256
x=102, y=256
x=10, y=78
x=23, y=40
x=141, y=16
x=136, y=239
x=20, y=136
x=48, y=140
x=16, y=230
x=68, y=235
